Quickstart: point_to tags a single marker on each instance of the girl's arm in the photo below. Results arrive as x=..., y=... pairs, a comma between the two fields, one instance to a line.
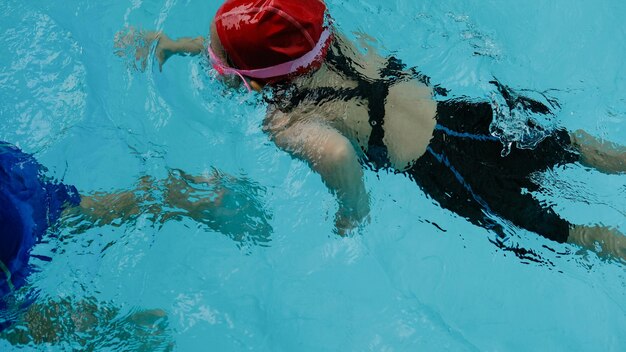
x=167, y=47
x=333, y=157
x=139, y=44
x=224, y=203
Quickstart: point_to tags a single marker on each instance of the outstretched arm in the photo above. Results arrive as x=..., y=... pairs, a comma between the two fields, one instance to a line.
x=139, y=44
x=227, y=204
x=332, y=156
x=81, y=320
x=168, y=47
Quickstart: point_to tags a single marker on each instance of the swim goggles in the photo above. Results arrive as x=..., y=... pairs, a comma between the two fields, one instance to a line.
x=279, y=70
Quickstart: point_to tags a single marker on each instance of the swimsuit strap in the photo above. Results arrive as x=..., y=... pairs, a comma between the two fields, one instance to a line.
x=342, y=64
x=377, y=150
x=323, y=94
x=375, y=91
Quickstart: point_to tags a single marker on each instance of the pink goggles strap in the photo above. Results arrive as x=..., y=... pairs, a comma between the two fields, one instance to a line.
x=223, y=69
x=277, y=70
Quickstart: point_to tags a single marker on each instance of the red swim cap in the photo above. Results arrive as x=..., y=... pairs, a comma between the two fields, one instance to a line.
x=261, y=33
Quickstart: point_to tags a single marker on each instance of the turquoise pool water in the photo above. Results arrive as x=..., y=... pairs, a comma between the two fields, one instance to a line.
x=403, y=283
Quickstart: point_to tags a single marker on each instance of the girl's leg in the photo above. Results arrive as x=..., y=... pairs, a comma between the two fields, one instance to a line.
x=605, y=241
x=602, y=155
x=608, y=158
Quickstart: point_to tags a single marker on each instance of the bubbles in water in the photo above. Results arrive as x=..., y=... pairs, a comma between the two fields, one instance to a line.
x=521, y=119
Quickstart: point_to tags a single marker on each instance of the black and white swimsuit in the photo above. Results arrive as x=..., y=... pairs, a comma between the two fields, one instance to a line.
x=463, y=168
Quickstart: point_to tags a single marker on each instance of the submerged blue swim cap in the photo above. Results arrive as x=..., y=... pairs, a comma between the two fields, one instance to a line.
x=29, y=204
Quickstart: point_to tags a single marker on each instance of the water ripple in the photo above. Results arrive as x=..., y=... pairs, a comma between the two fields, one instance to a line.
x=43, y=81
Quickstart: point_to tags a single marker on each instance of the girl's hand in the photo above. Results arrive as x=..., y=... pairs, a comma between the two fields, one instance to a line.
x=135, y=45
x=138, y=44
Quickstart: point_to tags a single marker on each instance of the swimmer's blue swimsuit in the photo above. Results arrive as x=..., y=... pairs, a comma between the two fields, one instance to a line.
x=29, y=204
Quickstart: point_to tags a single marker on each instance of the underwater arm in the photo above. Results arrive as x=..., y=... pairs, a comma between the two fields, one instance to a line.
x=57, y=321
x=138, y=43
x=227, y=204
x=167, y=47
x=102, y=208
x=331, y=155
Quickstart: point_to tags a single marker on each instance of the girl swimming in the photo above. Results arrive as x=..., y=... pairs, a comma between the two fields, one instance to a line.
x=338, y=108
